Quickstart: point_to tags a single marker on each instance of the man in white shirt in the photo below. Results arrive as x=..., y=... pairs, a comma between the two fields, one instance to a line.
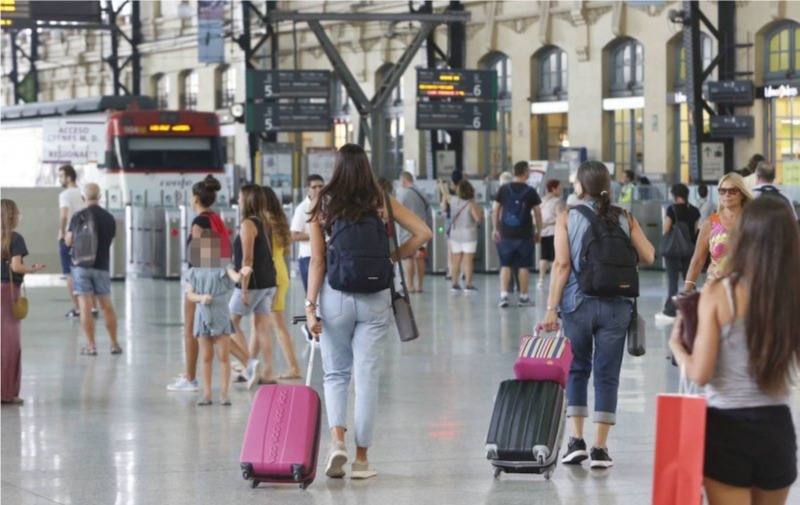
x=300, y=227
x=69, y=202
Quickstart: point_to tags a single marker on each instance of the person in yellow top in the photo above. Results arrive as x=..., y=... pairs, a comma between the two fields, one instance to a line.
x=280, y=240
x=626, y=192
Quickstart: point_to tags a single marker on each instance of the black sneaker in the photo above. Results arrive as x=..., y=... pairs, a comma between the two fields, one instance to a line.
x=576, y=452
x=525, y=301
x=600, y=458
x=72, y=314
x=95, y=313
x=503, y=302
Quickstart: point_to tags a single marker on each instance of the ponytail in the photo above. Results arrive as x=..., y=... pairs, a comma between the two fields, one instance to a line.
x=595, y=181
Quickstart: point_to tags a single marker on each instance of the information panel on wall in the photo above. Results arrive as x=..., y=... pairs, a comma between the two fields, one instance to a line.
x=456, y=116
x=457, y=83
x=456, y=99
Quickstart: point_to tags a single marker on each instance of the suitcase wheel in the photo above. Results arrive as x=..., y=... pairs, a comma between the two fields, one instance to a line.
x=497, y=472
x=305, y=484
x=255, y=483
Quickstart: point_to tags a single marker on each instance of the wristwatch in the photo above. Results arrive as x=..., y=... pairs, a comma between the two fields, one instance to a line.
x=310, y=305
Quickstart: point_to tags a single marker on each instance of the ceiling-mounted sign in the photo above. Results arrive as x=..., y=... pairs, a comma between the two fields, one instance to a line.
x=73, y=141
x=26, y=14
x=457, y=83
x=277, y=84
x=456, y=116
x=712, y=156
x=782, y=91
x=292, y=116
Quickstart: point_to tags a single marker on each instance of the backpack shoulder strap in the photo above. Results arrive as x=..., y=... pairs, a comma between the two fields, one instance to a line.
x=590, y=216
x=421, y=197
x=393, y=239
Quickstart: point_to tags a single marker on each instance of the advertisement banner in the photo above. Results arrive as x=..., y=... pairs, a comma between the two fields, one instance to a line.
x=210, y=35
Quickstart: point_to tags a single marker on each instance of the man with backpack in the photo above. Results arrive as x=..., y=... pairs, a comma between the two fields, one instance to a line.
x=765, y=178
x=90, y=233
x=513, y=212
x=413, y=199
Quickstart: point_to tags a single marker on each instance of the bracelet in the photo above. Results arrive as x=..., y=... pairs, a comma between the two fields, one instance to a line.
x=693, y=283
x=549, y=308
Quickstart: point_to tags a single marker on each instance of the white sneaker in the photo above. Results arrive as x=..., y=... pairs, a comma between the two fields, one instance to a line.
x=184, y=385
x=252, y=373
x=663, y=319
x=337, y=458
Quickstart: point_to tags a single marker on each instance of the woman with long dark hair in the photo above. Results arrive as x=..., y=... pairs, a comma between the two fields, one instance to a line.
x=596, y=326
x=13, y=272
x=353, y=325
x=746, y=352
x=252, y=258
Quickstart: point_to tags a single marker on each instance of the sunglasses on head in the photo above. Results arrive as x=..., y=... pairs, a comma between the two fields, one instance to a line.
x=729, y=191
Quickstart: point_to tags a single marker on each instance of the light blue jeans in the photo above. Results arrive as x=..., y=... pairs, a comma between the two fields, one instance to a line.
x=354, y=328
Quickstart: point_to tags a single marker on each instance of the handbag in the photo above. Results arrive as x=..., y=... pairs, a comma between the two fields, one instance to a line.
x=686, y=304
x=544, y=358
x=680, y=448
x=401, y=303
x=19, y=307
x=677, y=242
x=636, y=332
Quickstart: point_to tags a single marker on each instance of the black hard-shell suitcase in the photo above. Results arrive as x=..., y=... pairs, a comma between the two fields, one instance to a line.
x=527, y=427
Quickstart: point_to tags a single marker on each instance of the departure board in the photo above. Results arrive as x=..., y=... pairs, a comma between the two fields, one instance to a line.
x=277, y=84
x=456, y=115
x=457, y=83
x=269, y=116
x=26, y=13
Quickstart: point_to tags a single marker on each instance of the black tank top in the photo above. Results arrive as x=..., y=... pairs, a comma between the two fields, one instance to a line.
x=263, y=276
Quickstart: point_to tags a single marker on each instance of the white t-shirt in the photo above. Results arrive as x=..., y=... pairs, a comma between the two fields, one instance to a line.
x=300, y=225
x=71, y=199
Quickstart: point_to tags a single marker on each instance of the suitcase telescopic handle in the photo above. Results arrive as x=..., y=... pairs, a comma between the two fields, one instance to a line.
x=314, y=343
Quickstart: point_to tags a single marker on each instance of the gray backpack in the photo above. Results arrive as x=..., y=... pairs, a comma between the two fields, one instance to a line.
x=84, y=239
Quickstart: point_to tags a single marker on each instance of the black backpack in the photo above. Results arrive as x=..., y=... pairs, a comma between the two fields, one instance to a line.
x=608, y=260
x=84, y=239
x=358, y=256
x=678, y=242
x=770, y=191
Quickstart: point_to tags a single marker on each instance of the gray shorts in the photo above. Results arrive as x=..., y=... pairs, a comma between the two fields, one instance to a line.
x=260, y=302
x=90, y=281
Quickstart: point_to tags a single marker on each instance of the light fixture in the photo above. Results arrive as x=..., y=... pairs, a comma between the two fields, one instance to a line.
x=185, y=11
x=237, y=111
x=679, y=17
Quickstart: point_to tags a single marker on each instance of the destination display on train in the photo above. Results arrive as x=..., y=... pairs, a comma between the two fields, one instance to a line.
x=293, y=116
x=457, y=83
x=456, y=116
x=276, y=84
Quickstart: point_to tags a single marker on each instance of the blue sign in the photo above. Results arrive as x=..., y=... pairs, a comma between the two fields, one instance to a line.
x=210, y=31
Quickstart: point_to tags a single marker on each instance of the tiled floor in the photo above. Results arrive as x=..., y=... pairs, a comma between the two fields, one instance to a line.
x=103, y=430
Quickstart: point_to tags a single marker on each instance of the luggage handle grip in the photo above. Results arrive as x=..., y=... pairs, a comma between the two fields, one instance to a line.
x=538, y=329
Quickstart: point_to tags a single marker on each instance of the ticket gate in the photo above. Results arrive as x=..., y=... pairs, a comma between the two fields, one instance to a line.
x=173, y=247
x=491, y=261
x=437, y=248
x=117, y=265
x=650, y=215
x=145, y=241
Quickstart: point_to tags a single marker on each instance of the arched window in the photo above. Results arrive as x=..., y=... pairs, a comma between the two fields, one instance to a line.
x=706, y=50
x=552, y=79
x=626, y=75
x=782, y=52
x=161, y=90
x=496, y=144
x=189, y=90
x=226, y=87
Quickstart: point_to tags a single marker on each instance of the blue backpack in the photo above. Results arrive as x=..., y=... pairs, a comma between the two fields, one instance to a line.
x=358, y=256
x=515, y=207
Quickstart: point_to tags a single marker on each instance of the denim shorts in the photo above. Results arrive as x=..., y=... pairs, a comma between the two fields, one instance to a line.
x=516, y=253
x=260, y=302
x=65, y=256
x=91, y=281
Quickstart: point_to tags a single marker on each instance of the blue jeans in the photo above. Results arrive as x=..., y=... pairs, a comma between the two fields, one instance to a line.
x=597, y=330
x=302, y=264
x=354, y=328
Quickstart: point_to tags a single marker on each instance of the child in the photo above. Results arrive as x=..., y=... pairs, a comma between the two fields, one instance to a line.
x=209, y=286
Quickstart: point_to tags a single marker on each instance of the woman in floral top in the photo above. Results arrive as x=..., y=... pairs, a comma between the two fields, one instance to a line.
x=714, y=234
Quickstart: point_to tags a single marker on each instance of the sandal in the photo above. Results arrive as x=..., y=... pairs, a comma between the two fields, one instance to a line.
x=204, y=403
x=287, y=376
x=89, y=351
x=116, y=349
x=225, y=403
x=267, y=381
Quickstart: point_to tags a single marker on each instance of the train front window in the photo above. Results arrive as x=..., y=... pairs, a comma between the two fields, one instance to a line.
x=173, y=154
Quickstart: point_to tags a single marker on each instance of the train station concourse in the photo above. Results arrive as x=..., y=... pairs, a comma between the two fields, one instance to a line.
x=387, y=252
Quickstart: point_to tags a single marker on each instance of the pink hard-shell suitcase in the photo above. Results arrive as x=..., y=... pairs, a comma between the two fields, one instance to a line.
x=281, y=443
x=543, y=358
